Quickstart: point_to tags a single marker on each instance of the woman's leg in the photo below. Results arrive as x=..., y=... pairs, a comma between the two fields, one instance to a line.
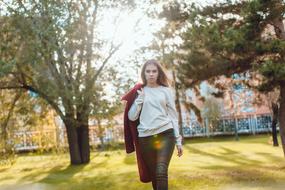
x=149, y=156
x=165, y=147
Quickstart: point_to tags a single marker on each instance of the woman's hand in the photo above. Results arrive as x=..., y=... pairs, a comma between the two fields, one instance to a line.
x=179, y=150
x=140, y=92
x=140, y=97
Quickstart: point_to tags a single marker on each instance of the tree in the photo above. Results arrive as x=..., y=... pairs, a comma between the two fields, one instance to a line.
x=53, y=48
x=234, y=37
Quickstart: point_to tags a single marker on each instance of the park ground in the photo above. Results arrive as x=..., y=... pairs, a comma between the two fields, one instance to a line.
x=222, y=163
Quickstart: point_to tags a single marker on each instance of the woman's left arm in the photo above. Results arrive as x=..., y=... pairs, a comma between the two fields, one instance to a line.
x=172, y=113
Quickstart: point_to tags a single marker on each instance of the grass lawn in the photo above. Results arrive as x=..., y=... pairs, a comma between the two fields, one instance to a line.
x=251, y=163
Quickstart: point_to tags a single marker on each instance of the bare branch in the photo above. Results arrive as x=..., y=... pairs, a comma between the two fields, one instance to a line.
x=11, y=87
x=47, y=98
x=112, y=52
x=10, y=112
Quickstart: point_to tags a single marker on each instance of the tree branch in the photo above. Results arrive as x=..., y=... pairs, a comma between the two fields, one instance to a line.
x=105, y=61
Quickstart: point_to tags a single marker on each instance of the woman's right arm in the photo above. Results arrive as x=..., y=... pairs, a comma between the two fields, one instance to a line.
x=135, y=109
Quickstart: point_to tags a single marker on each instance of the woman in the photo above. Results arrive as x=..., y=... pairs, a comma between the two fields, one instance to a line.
x=158, y=130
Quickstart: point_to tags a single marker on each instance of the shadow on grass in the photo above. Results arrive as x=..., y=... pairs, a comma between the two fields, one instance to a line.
x=60, y=173
x=271, y=157
x=258, y=138
x=106, y=181
x=228, y=156
x=57, y=174
x=239, y=174
x=230, y=176
x=228, y=151
x=3, y=170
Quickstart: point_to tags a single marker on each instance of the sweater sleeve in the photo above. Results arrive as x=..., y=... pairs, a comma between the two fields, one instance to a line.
x=135, y=109
x=172, y=113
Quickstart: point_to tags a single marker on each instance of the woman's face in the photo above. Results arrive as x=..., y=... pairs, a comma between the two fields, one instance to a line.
x=151, y=74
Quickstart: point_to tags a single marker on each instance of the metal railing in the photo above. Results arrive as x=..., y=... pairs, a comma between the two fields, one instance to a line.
x=32, y=140
x=244, y=124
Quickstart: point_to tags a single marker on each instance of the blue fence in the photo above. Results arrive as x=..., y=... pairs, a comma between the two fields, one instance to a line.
x=243, y=125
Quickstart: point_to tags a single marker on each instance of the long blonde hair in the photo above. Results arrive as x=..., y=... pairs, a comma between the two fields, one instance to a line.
x=162, y=78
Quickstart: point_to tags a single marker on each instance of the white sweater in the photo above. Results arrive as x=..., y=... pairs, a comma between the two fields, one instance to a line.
x=158, y=112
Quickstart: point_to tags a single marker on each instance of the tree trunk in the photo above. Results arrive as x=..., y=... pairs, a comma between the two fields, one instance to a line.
x=74, y=148
x=177, y=103
x=78, y=141
x=275, y=110
x=83, y=142
x=282, y=114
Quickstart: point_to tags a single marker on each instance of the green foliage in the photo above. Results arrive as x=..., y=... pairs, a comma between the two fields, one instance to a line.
x=273, y=73
x=231, y=37
x=273, y=70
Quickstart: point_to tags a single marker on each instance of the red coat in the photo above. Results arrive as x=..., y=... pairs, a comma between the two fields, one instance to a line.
x=131, y=134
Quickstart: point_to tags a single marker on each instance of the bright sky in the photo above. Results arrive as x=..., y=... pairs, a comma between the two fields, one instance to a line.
x=135, y=29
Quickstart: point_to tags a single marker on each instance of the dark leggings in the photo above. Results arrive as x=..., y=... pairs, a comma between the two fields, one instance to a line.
x=156, y=152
